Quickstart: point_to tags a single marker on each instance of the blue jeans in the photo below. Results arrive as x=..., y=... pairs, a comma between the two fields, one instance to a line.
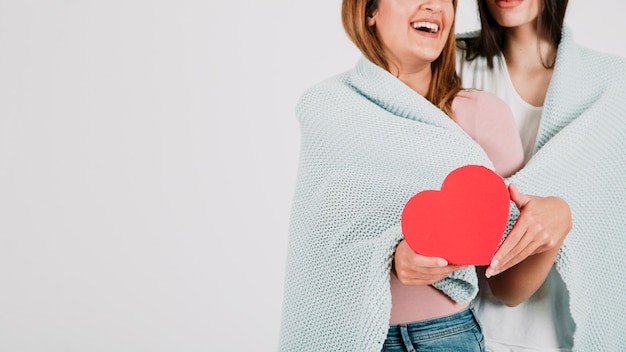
x=459, y=332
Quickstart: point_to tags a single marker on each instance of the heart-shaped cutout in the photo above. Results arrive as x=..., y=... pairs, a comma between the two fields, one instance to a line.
x=463, y=222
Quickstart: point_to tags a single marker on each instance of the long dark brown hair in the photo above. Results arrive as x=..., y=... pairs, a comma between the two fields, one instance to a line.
x=444, y=85
x=490, y=40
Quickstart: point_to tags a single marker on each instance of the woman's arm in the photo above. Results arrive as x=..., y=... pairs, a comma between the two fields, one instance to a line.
x=522, y=263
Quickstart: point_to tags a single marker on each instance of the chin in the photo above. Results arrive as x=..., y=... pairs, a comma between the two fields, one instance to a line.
x=429, y=57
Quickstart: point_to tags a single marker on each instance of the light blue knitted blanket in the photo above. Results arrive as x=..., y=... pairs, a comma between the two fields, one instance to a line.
x=581, y=157
x=369, y=143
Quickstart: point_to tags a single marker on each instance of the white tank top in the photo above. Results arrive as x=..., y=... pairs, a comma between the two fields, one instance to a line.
x=476, y=74
x=543, y=322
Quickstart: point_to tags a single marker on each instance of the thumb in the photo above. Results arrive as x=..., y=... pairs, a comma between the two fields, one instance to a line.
x=518, y=198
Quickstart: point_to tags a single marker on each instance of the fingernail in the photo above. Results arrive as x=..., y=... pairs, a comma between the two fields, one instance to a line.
x=442, y=263
x=494, y=263
x=490, y=272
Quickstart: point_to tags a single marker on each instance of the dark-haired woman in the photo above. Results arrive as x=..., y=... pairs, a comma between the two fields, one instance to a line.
x=526, y=56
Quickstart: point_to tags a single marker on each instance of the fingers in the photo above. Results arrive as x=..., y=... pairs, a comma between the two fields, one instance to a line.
x=524, y=240
x=515, y=247
x=425, y=277
x=405, y=257
x=516, y=259
x=512, y=241
x=515, y=243
x=414, y=269
x=538, y=228
x=518, y=198
x=523, y=250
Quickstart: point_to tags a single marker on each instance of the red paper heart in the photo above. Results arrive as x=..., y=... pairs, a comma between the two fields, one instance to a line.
x=464, y=222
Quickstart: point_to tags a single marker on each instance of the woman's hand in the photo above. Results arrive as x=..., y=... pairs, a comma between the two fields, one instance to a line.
x=414, y=269
x=530, y=248
x=541, y=227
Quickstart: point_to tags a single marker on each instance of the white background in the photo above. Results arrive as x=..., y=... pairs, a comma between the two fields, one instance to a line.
x=148, y=155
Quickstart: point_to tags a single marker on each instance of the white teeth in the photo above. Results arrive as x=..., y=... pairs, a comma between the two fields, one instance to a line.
x=431, y=27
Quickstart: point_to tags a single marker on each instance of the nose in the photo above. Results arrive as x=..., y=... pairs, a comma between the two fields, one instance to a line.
x=432, y=5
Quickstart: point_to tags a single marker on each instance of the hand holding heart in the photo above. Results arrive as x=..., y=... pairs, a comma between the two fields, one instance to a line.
x=541, y=227
x=414, y=269
x=464, y=222
x=532, y=244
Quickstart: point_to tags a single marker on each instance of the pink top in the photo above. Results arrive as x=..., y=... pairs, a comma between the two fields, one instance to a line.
x=489, y=121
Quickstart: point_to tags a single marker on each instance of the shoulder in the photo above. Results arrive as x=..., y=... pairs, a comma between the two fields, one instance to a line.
x=476, y=100
x=323, y=95
x=326, y=86
x=573, y=56
x=611, y=65
x=490, y=122
x=478, y=112
x=489, y=99
x=591, y=56
x=586, y=74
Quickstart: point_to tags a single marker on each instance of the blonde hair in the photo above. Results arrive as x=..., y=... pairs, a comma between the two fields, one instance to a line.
x=445, y=83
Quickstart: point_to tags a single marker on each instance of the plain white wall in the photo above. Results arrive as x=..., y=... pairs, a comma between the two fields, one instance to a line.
x=148, y=155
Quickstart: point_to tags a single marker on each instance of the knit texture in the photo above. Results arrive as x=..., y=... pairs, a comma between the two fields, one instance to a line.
x=369, y=143
x=581, y=157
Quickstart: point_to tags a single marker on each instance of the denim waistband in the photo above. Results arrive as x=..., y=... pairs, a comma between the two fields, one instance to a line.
x=436, y=327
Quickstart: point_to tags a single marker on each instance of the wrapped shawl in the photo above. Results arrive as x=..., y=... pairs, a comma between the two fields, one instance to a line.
x=369, y=143
x=581, y=157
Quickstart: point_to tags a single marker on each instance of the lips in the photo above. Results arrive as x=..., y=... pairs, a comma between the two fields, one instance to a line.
x=427, y=26
x=507, y=4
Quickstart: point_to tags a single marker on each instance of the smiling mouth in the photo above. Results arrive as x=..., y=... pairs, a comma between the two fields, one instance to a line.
x=427, y=27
